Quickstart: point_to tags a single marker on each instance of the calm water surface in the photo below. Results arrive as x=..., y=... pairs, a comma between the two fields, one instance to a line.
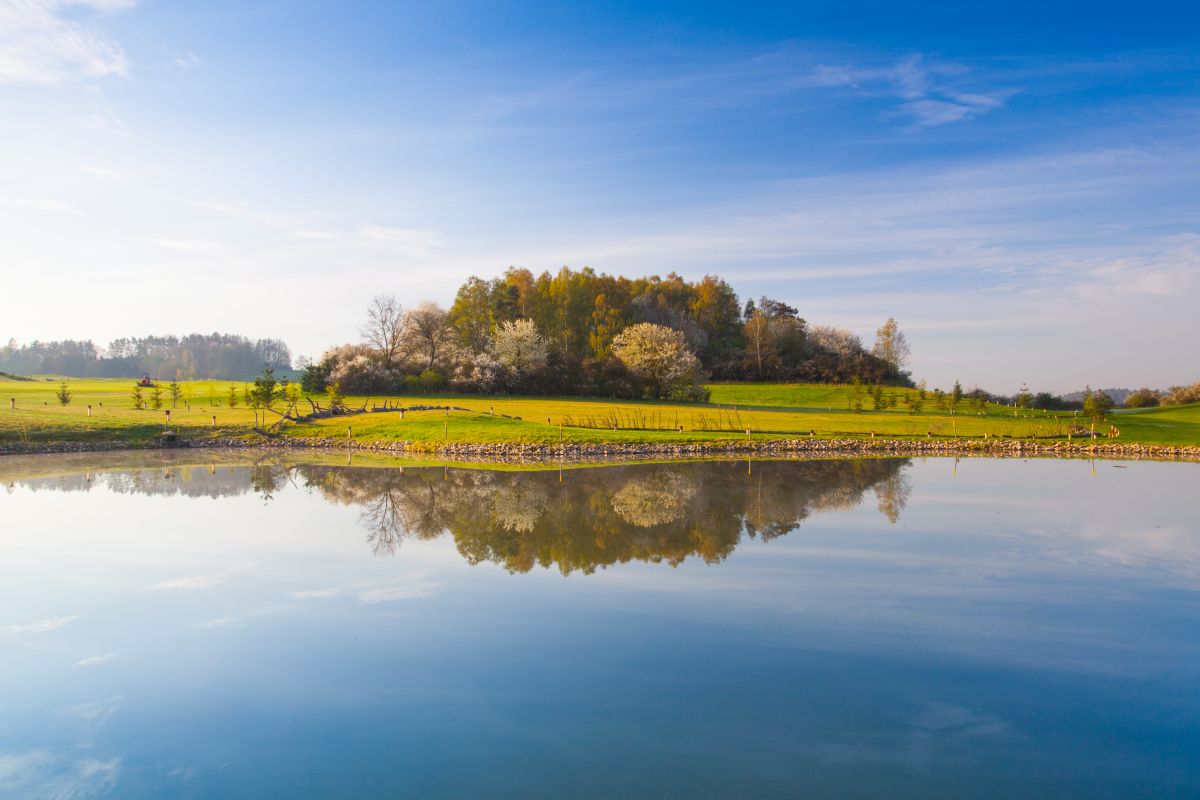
x=854, y=628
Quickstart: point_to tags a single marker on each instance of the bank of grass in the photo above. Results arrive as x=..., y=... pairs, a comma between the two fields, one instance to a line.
x=770, y=411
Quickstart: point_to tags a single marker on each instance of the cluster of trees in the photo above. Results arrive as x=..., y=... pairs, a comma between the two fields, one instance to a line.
x=1176, y=395
x=582, y=332
x=197, y=356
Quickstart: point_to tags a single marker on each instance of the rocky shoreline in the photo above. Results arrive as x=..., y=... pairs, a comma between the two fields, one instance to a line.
x=523, y=452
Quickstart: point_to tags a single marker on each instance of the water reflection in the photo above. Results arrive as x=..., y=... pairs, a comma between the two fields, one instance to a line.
x=576, y=520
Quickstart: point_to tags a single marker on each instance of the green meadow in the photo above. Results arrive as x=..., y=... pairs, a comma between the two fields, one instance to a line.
x=768, y=411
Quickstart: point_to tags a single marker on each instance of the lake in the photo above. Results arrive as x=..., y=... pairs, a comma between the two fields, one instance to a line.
x=212, y=625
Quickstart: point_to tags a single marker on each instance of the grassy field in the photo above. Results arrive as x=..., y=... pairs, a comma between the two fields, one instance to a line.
x=770, y=411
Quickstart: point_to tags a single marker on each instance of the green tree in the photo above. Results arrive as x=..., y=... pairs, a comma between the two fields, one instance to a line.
x=156, y=397
x=233, y=397
x=956, y=395
x=63, y=394
x=176, y=392
x=333, y=393
x=136, y=395
x=264, y=393
x=1096, y=404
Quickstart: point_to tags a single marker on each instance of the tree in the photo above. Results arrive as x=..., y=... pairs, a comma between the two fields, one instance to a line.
x=891, y=346
x=659, y=356
x=176, y=391
x=233, y=397
x=1024, y=397
x=333, y=392
x=136, y=395
x=264, y=394
x=956, y=395
x=427, y=334
x=1096, y=404
x=759, y=342
x=63, y=394
x=156, y=397
x=520, y=347
x=384, y=328
x=1143, y=398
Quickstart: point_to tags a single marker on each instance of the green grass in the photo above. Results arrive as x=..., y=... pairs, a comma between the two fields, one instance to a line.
x=771, y=411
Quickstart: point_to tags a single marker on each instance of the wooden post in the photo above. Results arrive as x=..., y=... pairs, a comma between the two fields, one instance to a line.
x=349, y=433
x=747, y=434
x=446, y=430
x=12, y=404
x=402, y=413
x=167, y=424
x=214, y=420
x=89, y=409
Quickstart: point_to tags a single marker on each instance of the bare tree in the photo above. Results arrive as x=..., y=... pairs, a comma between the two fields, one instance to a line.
x=384, y=328
x=427, y=333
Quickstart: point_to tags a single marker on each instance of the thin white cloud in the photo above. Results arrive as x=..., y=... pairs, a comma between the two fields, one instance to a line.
x=47, y=775
x=409, y=587
x=315, y=593
x=409, y=241
x=40, y=43
x=198, y=247
x=38, y=626
x=221, y=622
x=406, y=591
x=92, y=661
x=42, y=204
x=928, y=91
x=193, y=582
x=103, y=172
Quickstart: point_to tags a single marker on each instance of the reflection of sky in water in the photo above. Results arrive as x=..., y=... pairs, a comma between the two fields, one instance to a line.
x=1021, y=629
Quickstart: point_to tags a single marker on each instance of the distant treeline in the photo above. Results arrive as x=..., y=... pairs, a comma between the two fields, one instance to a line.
x=196, y=356
x=583, y=332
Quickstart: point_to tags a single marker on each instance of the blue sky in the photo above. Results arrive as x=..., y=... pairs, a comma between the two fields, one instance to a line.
x=1016, y=183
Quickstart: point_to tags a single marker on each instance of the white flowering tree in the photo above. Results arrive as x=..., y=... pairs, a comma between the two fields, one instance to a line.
x=520, y=347
x=659, y=356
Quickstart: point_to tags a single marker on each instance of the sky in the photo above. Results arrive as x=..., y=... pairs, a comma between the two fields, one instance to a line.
x=1018, y=184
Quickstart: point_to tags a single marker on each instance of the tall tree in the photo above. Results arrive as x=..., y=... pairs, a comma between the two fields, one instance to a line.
x=427, y=334
x=384, y=328
x=891, y=346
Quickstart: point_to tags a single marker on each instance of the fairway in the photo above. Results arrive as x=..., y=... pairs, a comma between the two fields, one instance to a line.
x=768, y=411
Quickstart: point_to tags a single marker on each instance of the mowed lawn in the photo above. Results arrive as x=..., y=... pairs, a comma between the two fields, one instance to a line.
x=770, y=411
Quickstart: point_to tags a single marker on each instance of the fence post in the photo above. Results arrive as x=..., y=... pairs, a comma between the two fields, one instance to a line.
x=214, y=420
x=89, y=409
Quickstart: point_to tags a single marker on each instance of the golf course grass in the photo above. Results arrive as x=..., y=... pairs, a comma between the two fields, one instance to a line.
x=769, y=411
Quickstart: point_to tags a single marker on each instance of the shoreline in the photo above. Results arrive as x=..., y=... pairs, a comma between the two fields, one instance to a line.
x=538, y=453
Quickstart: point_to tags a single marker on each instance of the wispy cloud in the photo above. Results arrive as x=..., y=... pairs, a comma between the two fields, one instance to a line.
x=40, y=43
x=928, y=94
x=409, y=587
x=38, y=626
x=193, y=582
x=103, y=172
x=92, y=661
x=221, y=622
x=199, y=247
x=49, y=775
x=406, y=591
x=41, y=204
x=409, y=241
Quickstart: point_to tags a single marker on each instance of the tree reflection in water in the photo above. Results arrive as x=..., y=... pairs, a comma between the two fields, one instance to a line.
x=591, y=517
